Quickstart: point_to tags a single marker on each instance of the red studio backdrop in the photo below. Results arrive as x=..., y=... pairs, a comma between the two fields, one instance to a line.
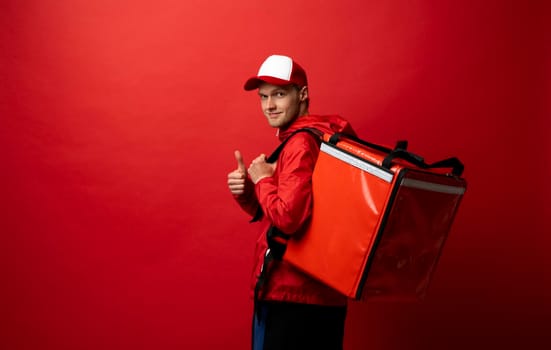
x=118, y=124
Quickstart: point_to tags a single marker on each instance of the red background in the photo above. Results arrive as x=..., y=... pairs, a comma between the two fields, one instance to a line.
x=118, y=125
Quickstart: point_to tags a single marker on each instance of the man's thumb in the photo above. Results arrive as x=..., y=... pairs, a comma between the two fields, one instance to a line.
x=240, y=163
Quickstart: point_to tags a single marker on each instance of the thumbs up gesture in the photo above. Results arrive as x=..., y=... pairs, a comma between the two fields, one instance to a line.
x=237, y=178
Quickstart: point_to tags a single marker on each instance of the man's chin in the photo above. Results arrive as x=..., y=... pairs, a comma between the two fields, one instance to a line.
x=274, y=123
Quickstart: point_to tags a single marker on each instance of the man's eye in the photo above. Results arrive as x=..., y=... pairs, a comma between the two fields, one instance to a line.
x=280, y=94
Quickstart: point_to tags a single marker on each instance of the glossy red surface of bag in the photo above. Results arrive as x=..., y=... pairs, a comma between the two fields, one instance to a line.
x=375, y=232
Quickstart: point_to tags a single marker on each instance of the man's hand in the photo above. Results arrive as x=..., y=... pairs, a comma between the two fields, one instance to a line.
x=237, y=178
x=260, y=169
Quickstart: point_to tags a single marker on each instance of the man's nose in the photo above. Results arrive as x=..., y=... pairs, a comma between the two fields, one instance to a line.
x=270, y=103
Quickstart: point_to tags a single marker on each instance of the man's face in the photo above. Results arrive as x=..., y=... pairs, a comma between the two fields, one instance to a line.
x=281, y=104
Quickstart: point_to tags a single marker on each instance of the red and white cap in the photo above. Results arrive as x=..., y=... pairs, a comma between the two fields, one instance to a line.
x=278, y=70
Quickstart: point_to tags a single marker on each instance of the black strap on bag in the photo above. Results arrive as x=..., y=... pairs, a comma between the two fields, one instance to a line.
x=336, y=137
x=400, y=151
x=453, y=163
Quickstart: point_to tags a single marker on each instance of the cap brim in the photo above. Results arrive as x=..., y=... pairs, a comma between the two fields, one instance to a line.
x=255, y=82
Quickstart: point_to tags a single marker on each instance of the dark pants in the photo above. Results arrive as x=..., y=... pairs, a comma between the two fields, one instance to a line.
x=289, y=326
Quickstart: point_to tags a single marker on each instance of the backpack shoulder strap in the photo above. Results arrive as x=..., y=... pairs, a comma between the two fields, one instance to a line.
x=275, y=154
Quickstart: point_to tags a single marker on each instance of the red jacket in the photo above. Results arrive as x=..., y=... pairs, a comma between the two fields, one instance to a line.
x=286, y=201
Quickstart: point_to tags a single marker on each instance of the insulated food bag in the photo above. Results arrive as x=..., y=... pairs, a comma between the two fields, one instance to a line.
x=380, y=219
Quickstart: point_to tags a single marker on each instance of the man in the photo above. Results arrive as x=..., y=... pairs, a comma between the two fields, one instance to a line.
x=292, y=310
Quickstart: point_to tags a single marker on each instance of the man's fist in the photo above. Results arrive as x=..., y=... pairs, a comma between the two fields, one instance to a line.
x=260, y=169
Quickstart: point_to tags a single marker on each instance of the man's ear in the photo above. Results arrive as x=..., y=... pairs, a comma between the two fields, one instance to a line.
x=303, y=93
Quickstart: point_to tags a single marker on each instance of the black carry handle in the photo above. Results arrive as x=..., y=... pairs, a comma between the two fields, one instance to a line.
x=400, y=151
x=336, y=137
x=453, y=163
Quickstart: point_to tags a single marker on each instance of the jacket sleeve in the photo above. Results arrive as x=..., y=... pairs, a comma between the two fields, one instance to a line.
x=286, y=197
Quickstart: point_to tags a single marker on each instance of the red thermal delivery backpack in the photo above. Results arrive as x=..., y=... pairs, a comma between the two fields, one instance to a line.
x=380, y=218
